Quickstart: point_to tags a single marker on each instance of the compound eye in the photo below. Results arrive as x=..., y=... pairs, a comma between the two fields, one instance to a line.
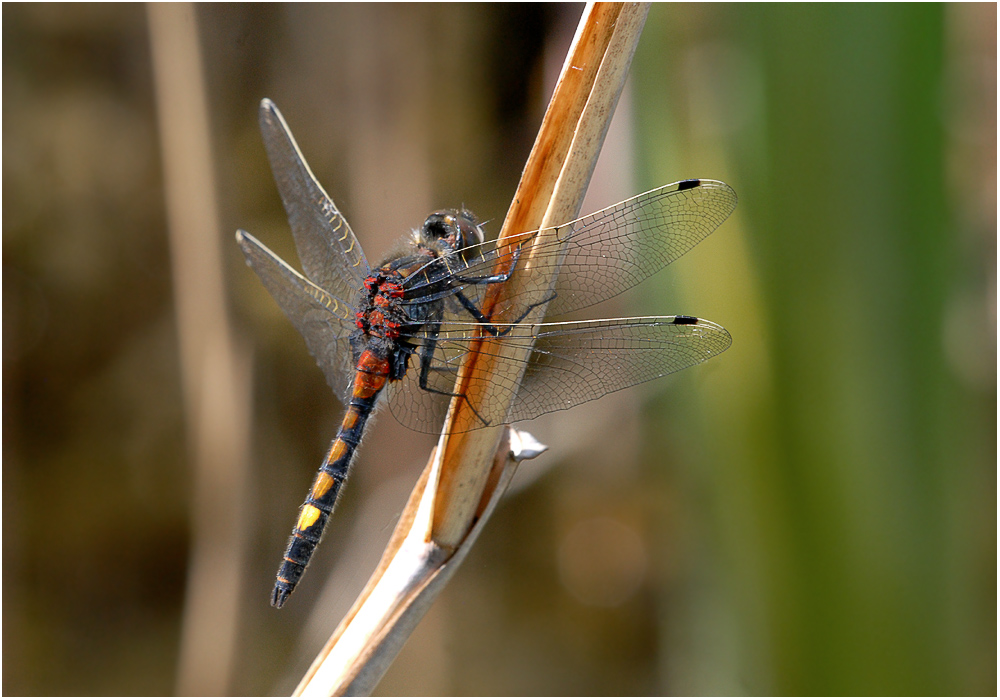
x=453, y=229
x=440, y=225
x=469, y=232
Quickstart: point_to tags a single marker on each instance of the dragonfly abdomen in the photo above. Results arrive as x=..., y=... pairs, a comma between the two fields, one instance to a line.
x=322, y=499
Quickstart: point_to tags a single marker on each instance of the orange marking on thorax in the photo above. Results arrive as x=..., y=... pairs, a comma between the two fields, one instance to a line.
x=410, y=269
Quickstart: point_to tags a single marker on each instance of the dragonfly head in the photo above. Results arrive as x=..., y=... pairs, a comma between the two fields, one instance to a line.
x=450, y=230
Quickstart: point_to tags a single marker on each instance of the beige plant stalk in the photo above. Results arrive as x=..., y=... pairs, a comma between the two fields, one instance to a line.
x=469, y=471
x=215, y=364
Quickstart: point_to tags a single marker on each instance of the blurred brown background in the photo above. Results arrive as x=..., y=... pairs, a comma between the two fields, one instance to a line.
x=811, y=513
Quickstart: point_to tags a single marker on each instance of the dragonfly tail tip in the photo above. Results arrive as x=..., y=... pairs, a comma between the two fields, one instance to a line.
x=278, y=596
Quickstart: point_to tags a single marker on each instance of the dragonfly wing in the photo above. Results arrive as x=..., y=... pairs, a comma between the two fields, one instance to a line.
x=570, y=363
x=324, y=321
x=461, y=269
x=596, y=257
x=616, y=248
x=420, y=399
x=424, y=409
x=331, y=256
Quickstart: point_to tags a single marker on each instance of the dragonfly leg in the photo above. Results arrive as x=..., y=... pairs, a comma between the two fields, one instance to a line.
x=401, y=360
x=493, y=279
x=426, y=351
x=495, y=331
x=426, y=359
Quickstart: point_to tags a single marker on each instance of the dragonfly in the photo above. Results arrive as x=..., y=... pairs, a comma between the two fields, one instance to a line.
x=401, y=331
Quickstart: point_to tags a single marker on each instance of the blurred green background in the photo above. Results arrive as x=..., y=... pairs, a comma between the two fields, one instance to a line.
x=812, y=513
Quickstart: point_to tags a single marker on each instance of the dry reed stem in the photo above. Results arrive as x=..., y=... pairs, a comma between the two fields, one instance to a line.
x=215, y=368
x=468, y=472
x=551, y=191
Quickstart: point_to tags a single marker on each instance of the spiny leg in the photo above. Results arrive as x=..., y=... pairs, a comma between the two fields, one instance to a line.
x=490, y=328
x=431, y=338
x=426, y=365
x=494, y=279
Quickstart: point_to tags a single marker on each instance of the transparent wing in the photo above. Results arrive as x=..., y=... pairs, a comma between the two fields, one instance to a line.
x=571, y=363
x=330, y=254
x=323, y=320
x=598, y=256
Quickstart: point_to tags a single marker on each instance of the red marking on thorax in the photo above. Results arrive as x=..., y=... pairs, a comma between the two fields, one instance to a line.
x=393, y=289
x=382, y=295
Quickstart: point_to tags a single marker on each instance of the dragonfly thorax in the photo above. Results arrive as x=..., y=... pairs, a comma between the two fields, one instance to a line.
x=381, y=315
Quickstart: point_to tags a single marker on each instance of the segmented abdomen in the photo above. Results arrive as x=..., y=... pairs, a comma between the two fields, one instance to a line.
x=315, y=512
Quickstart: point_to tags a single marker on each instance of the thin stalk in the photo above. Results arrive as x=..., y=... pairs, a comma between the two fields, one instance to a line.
x=215, y=368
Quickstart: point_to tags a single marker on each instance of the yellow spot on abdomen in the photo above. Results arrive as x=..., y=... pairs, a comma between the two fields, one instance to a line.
x=337, y=450
x=321, y=485
x=350, y=418
x=308, y=517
